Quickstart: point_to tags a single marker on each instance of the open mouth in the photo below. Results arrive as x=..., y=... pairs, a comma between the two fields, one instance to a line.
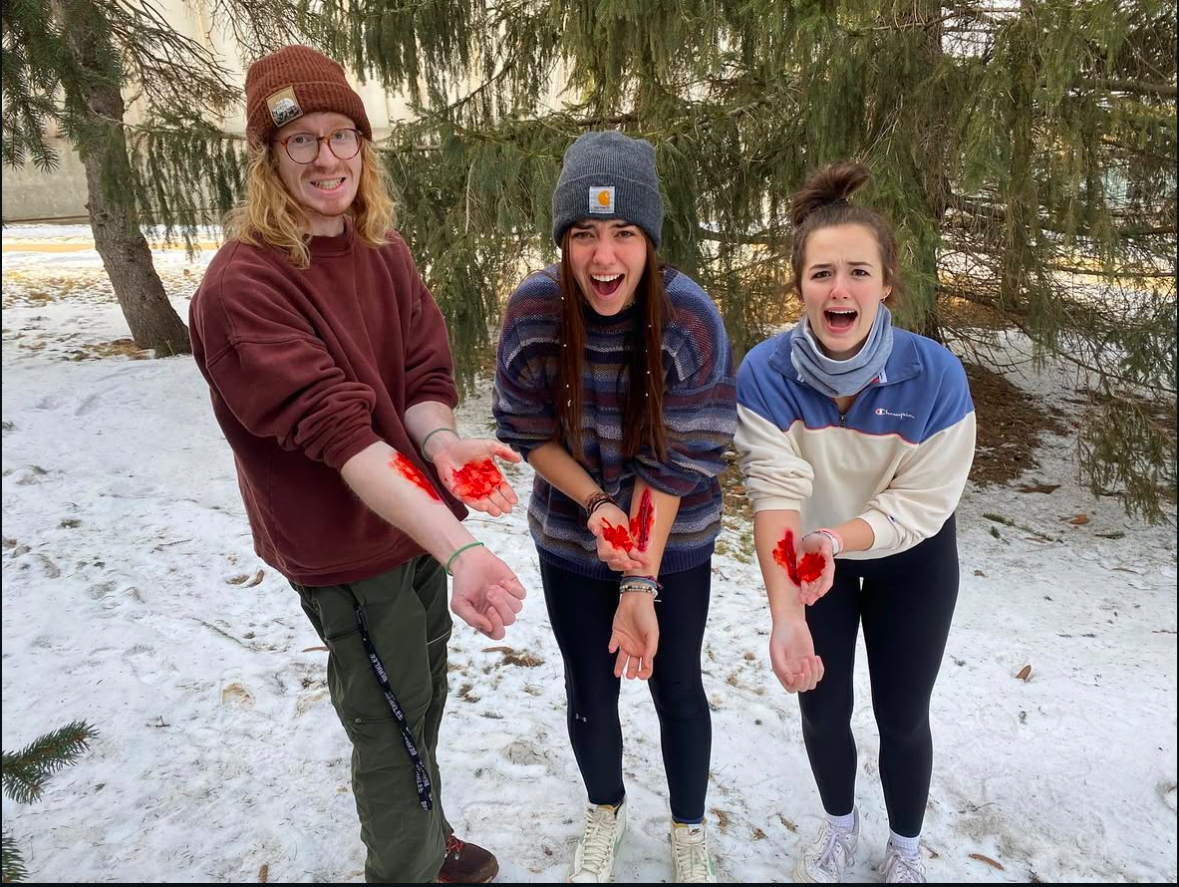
x=840, y=320
x=328, y=184
x=606, y=284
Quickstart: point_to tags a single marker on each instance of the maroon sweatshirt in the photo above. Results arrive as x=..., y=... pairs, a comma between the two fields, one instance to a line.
x=307, y=367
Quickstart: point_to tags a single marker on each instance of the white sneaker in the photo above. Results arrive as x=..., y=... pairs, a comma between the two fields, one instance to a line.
x=593, y=860
x=827, y=860
x=900, y=868
x=689, y=854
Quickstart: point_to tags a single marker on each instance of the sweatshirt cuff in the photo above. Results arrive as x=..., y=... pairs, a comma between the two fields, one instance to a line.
x=885, y=532
x=338, y=456
x=776, y=503
x=448, y=398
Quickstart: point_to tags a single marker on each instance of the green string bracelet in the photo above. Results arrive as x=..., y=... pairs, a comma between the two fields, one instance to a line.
x=426, y=439
x=459, y=551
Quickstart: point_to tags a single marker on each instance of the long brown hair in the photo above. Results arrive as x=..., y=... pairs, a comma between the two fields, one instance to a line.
x=822, y=202
x=642, y=414
x=270, y=215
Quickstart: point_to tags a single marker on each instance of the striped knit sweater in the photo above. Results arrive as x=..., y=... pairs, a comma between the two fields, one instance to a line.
x=699, y=415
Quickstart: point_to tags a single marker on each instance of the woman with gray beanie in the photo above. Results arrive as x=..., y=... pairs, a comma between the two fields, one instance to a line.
x=615, y=380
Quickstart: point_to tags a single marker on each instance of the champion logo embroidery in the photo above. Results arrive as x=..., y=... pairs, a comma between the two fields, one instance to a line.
x=601, y=200
x=881, y=411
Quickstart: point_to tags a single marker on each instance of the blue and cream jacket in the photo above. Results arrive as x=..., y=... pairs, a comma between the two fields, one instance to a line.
x=898, y=459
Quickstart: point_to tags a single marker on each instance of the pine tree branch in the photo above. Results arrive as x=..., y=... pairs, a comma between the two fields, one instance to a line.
x=1133, y=87
x=1148, y=231
x=165, y=62
x=25, y=772
x=1142, y=153
x=1129, y=275
x=490, y=83
x=760, y=237
x=268, y=25
x=611, y=120
x=996, y=212
x=1017, y=320
x=14, y=863
x=899, y=25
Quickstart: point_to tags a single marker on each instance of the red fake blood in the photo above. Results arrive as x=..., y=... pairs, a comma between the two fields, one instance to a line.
x=785, y=557
x=414, y=475
x=477, y=480
x=643, y=522
x=808, y=569
x=811, y=566
x=617, y=536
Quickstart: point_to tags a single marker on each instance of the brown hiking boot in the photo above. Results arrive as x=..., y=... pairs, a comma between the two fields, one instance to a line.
x=467, y=864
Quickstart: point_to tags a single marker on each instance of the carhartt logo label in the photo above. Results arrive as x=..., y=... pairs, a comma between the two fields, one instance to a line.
x=881, y=411
x=284, y=107
x=601, y=200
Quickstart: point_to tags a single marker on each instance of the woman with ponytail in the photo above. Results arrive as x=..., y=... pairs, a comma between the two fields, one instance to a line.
x=856, y=439
x=615, y=381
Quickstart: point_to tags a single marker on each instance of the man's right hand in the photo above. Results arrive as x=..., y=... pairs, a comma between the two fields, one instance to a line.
x=486, y=594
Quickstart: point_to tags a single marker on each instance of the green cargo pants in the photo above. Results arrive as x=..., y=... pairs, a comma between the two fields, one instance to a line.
x=409, y=625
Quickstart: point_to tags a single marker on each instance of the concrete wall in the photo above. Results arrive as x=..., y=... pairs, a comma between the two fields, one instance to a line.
x=30, y=195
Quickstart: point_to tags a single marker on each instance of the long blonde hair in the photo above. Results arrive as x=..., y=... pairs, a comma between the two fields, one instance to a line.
x=271, y=216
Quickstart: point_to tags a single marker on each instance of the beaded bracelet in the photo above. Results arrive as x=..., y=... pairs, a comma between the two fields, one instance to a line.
x=596, y=501
x=644, y=584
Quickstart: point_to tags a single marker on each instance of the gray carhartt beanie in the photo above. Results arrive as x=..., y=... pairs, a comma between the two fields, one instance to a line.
x=607, y=175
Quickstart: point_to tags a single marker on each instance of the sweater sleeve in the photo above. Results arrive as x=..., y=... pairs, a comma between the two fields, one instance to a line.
x=276, y=376
x=523, y=409
x=931, y=477
x=777, y=478
x=699, y=405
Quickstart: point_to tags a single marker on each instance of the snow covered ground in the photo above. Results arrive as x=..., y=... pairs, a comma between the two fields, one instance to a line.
x=132, y=599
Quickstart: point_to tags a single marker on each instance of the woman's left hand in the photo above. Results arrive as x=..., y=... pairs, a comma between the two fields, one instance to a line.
x=809, y=592
x=616, y=558
x=636, y=635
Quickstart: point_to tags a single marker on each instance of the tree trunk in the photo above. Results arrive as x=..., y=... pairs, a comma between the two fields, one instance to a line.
x=113, y=219
x=1020, y=198
x=932, y=139
x=124, y=250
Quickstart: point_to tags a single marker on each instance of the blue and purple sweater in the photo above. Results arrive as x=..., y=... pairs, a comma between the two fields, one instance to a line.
x=699, y=414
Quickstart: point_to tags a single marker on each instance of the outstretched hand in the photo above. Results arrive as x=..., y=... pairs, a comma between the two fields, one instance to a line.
x=792, y=654
x=607, y=519
x=635, y=637
x=486, y=593
x=809, y=592
x=467, y=468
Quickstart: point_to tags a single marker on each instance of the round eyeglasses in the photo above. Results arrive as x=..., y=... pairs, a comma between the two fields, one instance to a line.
x=303, y=147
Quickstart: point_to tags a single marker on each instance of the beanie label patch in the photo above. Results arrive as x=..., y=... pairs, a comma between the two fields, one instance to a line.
x=284, y=107
x=601, y=200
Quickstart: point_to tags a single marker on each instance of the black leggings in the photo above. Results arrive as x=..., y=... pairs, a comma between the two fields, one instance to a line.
x=906, y=604
x=581, y=612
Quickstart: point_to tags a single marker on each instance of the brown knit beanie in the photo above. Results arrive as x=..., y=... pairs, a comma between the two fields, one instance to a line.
x=294, y=81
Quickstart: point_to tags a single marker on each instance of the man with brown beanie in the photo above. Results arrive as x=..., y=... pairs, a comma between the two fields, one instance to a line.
x=331, y=378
